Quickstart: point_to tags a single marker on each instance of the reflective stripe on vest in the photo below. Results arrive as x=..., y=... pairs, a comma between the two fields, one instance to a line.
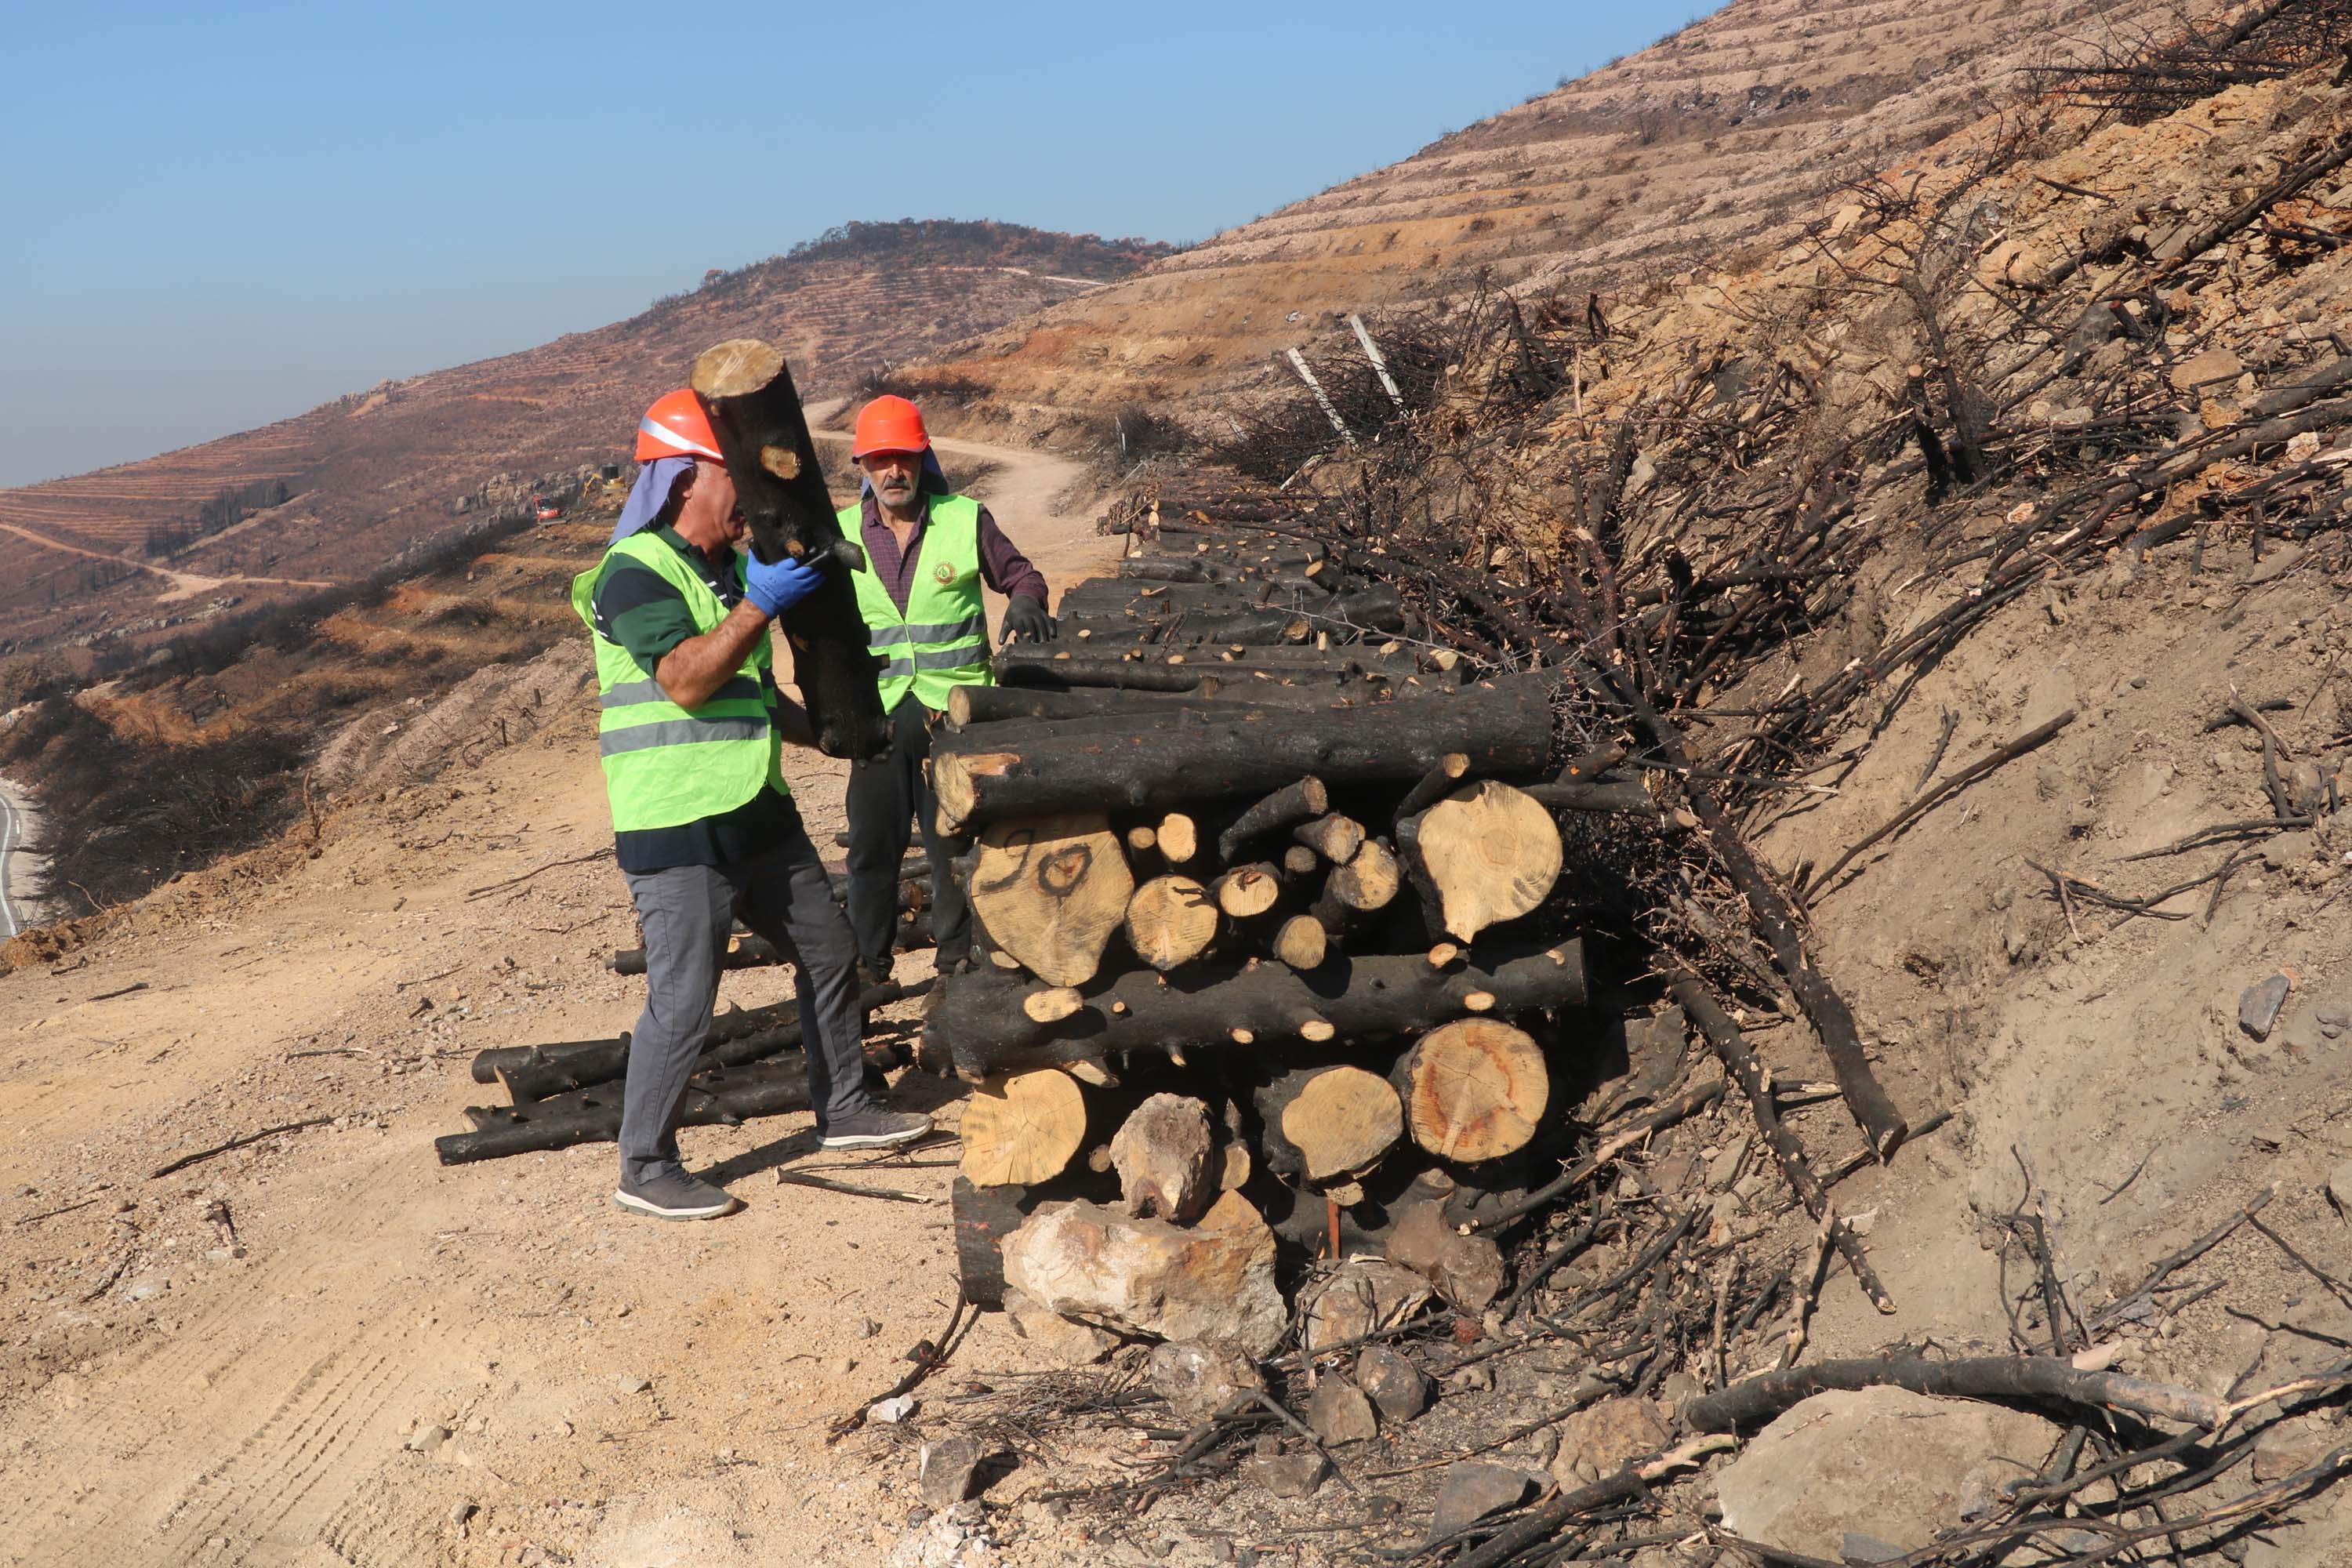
x=941, y=640
x=665, y=765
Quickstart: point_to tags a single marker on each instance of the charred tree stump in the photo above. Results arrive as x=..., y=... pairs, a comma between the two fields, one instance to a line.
x=756, y=413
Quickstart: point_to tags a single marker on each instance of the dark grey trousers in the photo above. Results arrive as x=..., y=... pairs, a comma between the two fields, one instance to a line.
x=886, y=792
x=686, y=912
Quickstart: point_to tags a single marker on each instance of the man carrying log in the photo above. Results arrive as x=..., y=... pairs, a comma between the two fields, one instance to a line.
x=928, y=551
x=691, y=737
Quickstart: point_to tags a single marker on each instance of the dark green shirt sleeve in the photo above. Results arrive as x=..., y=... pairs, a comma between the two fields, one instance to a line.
x=641, y=610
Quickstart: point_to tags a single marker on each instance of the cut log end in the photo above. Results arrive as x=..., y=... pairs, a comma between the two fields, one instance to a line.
x=1339, y=1120
x=1053, y=1004
x=1490, y=853
x=1024, y=1128
x=1248, y=890
x=1171, y=921
x=736, y=368
x=1473, y=1089
x=1302, y=942
x=1179, y=837
x=1051, y=892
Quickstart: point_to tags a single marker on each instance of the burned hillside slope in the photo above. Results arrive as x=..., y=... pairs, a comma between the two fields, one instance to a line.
x=1945, y=622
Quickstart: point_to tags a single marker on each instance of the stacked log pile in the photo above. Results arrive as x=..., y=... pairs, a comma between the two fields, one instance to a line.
x=1263, y=932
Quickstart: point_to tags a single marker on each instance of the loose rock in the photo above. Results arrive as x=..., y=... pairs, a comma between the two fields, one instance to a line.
x=2258, y=1008
x=1339, y=1411
x=1396, y=1387
x=892, y=1411
x=1599, y=1439
x=1362, y=1297
x=1201, y=1378
x=944, y=1473
x=1882, y=1462
x=1287, y=1475
x=1466, y=1270
x=1212, y=1280
x=1469, y=1491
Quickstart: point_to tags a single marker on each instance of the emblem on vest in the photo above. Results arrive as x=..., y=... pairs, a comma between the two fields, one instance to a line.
x=944, y=571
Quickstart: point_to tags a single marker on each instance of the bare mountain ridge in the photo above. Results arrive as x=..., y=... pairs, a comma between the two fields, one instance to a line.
x=1722, y=136
x=376, y=472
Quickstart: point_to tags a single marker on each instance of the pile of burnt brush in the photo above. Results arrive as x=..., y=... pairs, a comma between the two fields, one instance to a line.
x=1682, y=577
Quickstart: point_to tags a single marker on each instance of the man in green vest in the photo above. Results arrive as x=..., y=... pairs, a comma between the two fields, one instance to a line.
x=691, y=737
x=927, y=553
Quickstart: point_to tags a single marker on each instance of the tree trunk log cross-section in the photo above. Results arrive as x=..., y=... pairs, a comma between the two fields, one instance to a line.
x=755, y=412
x=1302, y=942
x=1023, y=1129
x=1335, y=837
x=1248, y=890
x=1323, y=1123
x=1503, y=729
x=1473, y=1089
x=980, y=1021
x=1171, y=921
x=1051, y=892
x=1482, y=856
x=1367, y=883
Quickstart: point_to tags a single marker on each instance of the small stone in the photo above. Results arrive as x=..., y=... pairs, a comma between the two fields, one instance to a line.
x=2334, y=1015
x=1199, y=1379
x=892, y=1411
x=839, y=1366
x=146, y=1290
x=628, y=1384
x=1677, y=1388
x=1469, y=1491
x=2258, y=1008
x=1363, y=1296
x=2288, y=849
x=2339, y=1187
x=425, y=1439
x=944, y=1473
x=2286, y=1446
x=867, y=1328
x=1395, y=1385
x=1601, y=1438
x=1724, y=1169
x=1339, y=1411
x=461, y=1510
x=1287, y=1475
x=1478, y=1377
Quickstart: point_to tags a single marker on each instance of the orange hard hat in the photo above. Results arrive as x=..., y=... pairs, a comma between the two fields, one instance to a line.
x=676, y=425
x=890, y=425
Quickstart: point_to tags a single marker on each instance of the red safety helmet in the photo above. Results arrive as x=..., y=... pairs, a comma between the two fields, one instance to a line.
x=890, y=425
x=676, y=425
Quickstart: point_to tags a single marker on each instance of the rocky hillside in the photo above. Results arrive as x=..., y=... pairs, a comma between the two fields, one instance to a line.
x=1718, y=137
x=333, y=494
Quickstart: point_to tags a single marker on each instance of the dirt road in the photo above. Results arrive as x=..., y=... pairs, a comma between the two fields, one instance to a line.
x=184, y=585
x=323, y=1348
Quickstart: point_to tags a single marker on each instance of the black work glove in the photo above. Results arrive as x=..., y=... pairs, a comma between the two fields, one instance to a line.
x=1026, y=619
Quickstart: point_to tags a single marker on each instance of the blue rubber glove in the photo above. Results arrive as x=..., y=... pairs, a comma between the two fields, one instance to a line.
x=777, y=588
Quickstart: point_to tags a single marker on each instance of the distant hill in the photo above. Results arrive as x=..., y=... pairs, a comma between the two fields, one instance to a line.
x=1716, y=139
x=336, y=493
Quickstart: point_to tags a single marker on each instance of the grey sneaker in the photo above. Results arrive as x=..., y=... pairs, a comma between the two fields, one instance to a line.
x=875, y=1128
x=674, y=1195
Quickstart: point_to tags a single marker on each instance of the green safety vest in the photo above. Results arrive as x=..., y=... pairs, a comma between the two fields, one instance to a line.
x=665, y=765
x=940, y=641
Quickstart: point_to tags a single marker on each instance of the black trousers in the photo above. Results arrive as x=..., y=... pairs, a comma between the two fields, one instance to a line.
x=886, y=792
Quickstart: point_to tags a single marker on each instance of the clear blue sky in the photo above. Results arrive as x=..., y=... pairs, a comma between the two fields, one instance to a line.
x=217, y=216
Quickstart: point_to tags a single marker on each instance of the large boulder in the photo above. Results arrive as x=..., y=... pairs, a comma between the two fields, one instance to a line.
x=1212, y=1281
x=1882, y=1463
